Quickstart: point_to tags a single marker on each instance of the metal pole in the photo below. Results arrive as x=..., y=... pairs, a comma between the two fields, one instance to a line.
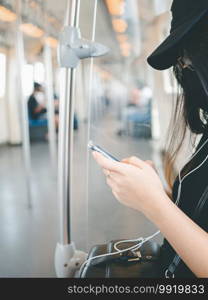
x=66, y=134
x=89, y=114
x=72, y=48
x=50, y=106
x=24, y=111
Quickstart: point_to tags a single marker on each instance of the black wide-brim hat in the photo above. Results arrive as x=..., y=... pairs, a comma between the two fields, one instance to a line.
x=185, y=15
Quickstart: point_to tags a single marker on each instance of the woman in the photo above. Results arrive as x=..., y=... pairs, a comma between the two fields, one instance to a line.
x=136, y=184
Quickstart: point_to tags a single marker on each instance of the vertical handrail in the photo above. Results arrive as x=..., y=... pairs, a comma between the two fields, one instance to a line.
x=23, y=103
x=50, y=106
x=66, y=134
x=89, y=116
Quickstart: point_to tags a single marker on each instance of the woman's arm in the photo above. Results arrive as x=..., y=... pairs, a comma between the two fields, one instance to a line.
x=186, y=237
x=137, y=185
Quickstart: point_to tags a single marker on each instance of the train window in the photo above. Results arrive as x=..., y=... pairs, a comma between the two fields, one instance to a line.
x=27, y=79
x=2, y=74
x=39, y=72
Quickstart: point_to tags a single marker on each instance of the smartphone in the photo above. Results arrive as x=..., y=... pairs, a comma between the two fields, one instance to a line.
x=97, y=148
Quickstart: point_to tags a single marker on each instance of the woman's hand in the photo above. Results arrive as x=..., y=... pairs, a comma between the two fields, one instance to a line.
x=134, y=182
x=133, y=161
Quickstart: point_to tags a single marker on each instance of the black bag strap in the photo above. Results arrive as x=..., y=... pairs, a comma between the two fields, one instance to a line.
x=176, y=260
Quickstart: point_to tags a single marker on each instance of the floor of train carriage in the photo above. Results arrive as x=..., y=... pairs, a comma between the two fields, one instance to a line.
x=28, y=236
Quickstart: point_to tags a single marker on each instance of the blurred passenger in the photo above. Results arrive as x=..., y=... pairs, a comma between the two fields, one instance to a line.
x=138, y=109
x=37, y=108
x=56, y=103
x=56, y=106
x=36, y=103
x=76, y=122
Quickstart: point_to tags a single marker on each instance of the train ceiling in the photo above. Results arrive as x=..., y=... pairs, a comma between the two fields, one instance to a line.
x=49, y=15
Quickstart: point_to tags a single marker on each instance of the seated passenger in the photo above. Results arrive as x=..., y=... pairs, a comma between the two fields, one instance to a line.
x=36, y=103
x=37, y=106
x=56, y=107
x=138, y=108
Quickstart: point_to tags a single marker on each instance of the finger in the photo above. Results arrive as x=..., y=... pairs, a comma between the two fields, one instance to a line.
x=106, y=172
x=135, y=161
x=108, y=164
x=150, y=163
x=110, y=182
x=115, y=194
x=115, y=178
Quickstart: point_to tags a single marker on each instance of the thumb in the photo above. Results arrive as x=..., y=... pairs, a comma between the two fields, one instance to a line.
x=107, y=163
x=151, y=164
x=135, y=161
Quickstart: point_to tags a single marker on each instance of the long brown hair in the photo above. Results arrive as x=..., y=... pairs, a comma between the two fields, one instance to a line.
x=191, y=107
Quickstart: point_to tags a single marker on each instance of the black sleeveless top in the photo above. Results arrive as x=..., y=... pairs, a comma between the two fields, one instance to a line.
x=193, y=188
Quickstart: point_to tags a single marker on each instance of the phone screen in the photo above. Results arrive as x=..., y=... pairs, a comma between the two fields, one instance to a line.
x=97, y=148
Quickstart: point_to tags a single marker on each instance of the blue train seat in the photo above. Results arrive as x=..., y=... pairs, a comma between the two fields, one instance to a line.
x=139, y=125
x=38, y=129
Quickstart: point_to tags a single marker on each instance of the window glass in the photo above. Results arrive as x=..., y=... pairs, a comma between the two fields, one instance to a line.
x=2, y=74
x=39, y=72
x=27, y=79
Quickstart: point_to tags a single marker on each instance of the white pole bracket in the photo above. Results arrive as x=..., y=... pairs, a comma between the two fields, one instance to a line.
x=72, y=48
x=68, y=260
